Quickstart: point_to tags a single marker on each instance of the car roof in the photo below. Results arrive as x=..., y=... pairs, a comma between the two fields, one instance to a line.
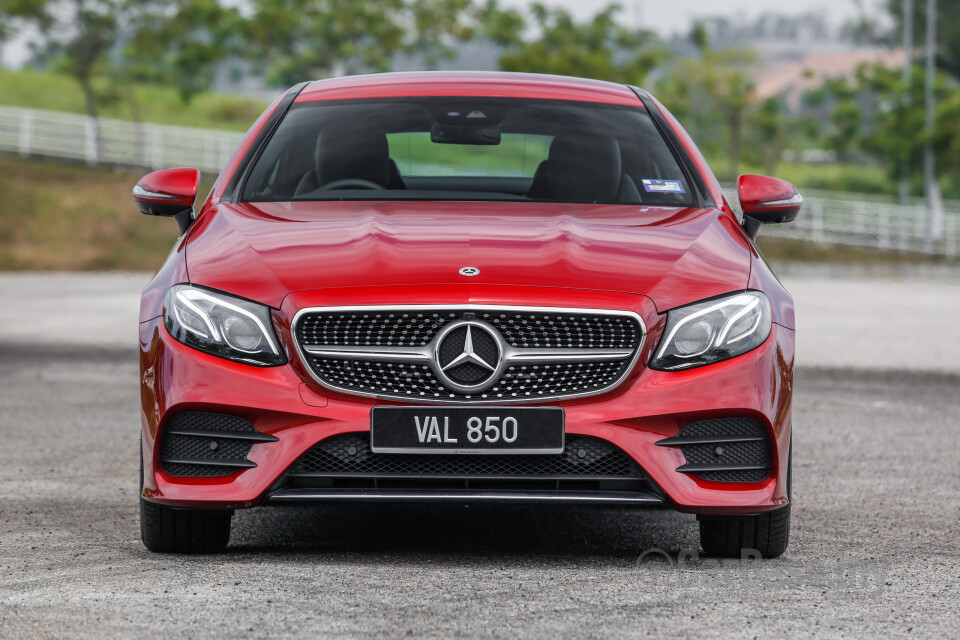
x=468, y=83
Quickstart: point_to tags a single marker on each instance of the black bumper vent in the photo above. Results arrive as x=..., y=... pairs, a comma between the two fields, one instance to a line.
x=196, y=444
x=345, y=461
x=724, y=450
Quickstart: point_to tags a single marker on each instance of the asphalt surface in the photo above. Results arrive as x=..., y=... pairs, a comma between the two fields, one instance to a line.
x=869, y=319
x=874, y=548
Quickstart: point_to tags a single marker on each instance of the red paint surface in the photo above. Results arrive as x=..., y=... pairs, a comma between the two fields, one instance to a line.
x=295, y=255
x=781, y=302
x=756, y=191
x=180, y=183
x=468, y=83
x=649, y=406
x=713, y=185
x=262, y=251
x=242, y=149
x=173, y=271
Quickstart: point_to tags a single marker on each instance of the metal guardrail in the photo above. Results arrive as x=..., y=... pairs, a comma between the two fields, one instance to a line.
x=832, y=218
x=113, y=142
x=866, y=220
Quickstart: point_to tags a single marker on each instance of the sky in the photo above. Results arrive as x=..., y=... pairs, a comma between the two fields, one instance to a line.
x=674, y=16
x=663, y=16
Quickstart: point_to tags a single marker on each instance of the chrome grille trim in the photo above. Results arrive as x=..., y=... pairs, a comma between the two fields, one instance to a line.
x=511, y=354
x=422, y=355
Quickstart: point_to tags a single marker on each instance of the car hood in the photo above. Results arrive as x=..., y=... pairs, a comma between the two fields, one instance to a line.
x=263, y=251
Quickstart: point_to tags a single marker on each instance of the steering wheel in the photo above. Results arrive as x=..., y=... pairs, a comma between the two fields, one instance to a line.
x=350, y=183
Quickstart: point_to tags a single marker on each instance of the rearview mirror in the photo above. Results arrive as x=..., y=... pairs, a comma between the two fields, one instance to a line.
x=464, y=134
x=170, y=193
x=765, y=200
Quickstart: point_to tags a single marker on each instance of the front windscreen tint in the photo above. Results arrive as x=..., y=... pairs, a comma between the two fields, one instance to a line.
x=468, y=149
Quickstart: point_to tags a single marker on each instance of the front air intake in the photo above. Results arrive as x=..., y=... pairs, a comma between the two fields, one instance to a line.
x=587, y=466
x=196, y=444
x=724, y=450
x=532, y=354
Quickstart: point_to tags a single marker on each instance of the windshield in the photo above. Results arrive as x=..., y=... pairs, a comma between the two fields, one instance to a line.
x=468, y=149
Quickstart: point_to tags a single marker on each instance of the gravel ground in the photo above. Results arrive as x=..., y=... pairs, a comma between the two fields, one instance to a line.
x=844, y=315
x=874, y=550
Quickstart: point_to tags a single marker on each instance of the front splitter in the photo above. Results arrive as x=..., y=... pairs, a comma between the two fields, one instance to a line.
x=531, y=497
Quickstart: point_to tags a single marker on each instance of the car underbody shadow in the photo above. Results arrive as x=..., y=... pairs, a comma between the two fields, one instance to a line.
x=474, y=531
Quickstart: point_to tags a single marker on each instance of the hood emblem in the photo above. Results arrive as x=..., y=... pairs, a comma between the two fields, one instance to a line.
x=469, y=356
x=469, y=271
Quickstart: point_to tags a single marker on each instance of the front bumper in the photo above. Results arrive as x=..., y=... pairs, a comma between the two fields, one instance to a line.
x=649, y=406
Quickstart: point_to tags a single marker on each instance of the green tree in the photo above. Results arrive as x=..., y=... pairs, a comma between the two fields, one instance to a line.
x=838, y=101
x=502, y=26
x=895, y=132
x=769, y=125
x=298, y=40
x=868, y=114
x=105, y=45
x=437, y=24
x=714, y=89
x=599, y=48
x=879, y=29
x=179, y=43
x=76, y=36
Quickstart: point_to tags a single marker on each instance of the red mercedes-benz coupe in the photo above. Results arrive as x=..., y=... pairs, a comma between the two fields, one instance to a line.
x=460, y=288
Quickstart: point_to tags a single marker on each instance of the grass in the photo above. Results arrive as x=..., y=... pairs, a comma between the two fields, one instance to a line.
x=517, y=155
x=856, y=178
x=74, y=218
x=859, y=178
x=162, y=105
x=159, y=104
x=782, y=250
x=62, y=217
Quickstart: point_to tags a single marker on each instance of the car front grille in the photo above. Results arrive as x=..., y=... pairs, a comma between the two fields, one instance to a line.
x=197, y=444
x=415, y=381
x=346, y=461
x=396, y=352
x=724, y=450
x=417, y=327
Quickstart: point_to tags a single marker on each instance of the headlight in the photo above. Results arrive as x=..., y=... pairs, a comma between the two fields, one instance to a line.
x=222, y=325
x=712, y=331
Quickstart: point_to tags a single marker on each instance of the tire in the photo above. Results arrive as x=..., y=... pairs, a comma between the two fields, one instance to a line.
x=167, y=530
x=767, y=533
x=790, y=472
x=732, y=536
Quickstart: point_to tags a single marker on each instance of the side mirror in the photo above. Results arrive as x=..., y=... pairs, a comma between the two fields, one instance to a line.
x=765, y=199
x=170, y=193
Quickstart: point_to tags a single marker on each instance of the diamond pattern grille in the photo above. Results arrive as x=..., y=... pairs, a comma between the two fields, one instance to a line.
x=417, y=381
x=372, y=328
x=573, y=330
x=519, y=329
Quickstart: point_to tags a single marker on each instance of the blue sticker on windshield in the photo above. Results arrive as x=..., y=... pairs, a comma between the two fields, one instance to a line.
x=663, y=186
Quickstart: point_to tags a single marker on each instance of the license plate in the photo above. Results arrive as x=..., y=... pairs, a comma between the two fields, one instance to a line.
x=471, y=430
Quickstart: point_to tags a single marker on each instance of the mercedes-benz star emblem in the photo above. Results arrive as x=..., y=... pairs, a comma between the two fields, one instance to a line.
x=469, y=356
x=469, y=271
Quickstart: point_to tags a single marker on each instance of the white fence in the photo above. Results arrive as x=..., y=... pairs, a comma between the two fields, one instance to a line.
x=865, y=220
x=836, y=218
x=113, y=142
